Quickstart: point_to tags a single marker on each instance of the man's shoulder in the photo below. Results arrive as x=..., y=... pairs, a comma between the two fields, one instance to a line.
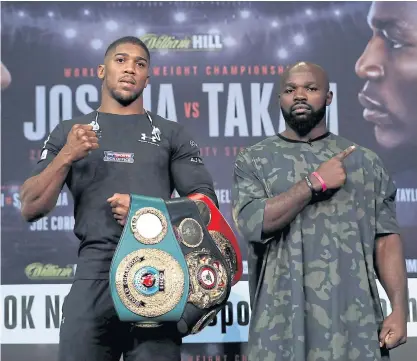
x=164, y=123
x=261, y=147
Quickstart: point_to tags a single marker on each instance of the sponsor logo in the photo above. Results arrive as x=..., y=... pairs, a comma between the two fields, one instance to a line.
x=196, y=42
x=118, y=157
x=150, y=140
x=40, y=271
x=196, y=160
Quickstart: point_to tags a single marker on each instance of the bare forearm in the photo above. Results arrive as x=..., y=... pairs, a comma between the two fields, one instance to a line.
x=39, y=194
x=391, y=271
x=282, y=209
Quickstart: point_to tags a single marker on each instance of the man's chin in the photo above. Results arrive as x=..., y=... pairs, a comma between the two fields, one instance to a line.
x=389, y=138
x=301, y=126
x=126, y=100
x=125, y=97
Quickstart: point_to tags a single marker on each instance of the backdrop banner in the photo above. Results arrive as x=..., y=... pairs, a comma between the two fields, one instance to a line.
x=216, y=68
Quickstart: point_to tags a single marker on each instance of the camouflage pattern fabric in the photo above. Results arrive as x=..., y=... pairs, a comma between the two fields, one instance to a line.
x=312, y=285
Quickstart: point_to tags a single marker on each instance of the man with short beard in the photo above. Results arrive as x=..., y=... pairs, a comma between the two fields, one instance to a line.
x=103, y=157
x=315, y=210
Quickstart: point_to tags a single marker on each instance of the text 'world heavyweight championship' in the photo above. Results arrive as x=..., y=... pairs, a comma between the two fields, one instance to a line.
x=176, y=262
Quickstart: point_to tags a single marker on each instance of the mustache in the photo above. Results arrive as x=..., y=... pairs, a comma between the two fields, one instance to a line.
x=301, y=103
x=128, y=79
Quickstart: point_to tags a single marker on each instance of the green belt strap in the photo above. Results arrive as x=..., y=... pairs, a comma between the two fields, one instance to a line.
x=177, y=271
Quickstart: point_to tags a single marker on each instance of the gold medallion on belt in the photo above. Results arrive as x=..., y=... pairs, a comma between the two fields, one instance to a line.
x=208, y=279
x=150, y=282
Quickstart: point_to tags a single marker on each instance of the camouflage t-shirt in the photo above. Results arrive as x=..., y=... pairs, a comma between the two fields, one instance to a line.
x=312, y=286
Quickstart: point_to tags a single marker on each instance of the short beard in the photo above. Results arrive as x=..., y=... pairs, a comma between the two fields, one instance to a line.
x=308, y=122
x=123, y=99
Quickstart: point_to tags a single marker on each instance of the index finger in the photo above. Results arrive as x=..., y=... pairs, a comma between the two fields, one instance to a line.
x=342, y=155
x=86, y=126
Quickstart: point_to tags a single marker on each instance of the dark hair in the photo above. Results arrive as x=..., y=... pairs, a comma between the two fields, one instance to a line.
x=129, y=40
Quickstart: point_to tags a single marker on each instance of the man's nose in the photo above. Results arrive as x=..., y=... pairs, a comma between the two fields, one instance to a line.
x=300, y=94
x=370, y=64
x=129, y=68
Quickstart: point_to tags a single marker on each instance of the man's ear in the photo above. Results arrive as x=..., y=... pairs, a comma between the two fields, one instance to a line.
x=329, y=98
x=101, y=71
x=147, y=81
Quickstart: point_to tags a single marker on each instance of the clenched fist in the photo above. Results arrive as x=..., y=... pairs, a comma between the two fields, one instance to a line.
x=394, y=330
x=120, y=204
x=333, y=172
x=80, y=141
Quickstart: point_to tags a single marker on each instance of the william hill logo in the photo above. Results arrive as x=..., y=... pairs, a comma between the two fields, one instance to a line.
x=38, y=271
x=202, y=42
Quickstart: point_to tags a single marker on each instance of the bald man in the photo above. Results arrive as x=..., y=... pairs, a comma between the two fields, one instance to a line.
x=318, y=214
x=389, y=69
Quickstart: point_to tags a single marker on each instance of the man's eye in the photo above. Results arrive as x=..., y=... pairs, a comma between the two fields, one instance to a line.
x=392, y=43
x=395, y=45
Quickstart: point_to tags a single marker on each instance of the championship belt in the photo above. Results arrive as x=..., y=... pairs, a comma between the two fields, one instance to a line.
x=175, y=262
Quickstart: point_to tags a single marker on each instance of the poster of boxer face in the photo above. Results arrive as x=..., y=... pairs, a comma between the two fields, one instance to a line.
x=215, y=68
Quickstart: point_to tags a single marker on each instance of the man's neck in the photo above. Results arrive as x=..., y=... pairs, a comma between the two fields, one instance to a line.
x=316, y=132
x=112, y=106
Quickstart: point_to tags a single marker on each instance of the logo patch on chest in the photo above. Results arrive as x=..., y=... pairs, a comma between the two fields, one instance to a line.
x=154, y=140
x=118, y=157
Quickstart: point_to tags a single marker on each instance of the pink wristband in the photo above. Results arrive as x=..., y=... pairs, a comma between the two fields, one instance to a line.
x=323, y=184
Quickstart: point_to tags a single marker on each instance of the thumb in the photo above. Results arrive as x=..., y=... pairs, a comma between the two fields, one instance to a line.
x=383, y=335
x=112, y=198
x=342, y=155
